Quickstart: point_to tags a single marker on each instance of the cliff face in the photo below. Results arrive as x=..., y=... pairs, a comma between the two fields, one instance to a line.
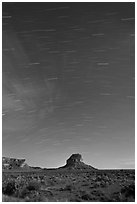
x=75, y=162
x=12, y=163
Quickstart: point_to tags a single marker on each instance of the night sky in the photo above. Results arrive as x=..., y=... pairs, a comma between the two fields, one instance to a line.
x=68, y=83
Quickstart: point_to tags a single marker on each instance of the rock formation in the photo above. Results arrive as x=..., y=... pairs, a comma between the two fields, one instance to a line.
x=12, y=163
x=75, y=162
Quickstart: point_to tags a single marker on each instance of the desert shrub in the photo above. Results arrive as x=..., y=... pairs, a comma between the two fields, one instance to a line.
x=51, y=182
x=127, y=194
x=129, y=191
x=100, y=196
x=69, y=187
x=22, y=193
x=23, y=188
x=9, y=187
x=33, y=186
x=20, y=183
x=116, y=197
x=95, y=195
x=29, y=196
x=29, y=190
x=86, y=196
x=33, y=197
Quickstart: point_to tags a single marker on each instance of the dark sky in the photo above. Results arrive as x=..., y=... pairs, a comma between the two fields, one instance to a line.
x=68, y=82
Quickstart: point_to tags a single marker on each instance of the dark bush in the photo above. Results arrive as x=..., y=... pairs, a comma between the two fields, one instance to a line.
x=24, y=189
x=86, y=197
x=129, y=191
x=33, y=186
x=69, y=188
x=9, y=188
x=22, y=193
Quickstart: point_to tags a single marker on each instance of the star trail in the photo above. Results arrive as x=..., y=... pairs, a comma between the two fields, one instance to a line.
x=68, y=82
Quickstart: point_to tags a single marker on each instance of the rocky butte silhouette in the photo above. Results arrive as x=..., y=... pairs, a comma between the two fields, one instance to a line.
x=74, y=162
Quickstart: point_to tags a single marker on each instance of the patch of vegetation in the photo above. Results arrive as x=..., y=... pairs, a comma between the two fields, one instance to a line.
x=129, y=191
x=70, y=186
x=9, y=187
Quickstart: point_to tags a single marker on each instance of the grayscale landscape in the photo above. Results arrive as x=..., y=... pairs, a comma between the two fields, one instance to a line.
x=68, y=102
x=76, y=182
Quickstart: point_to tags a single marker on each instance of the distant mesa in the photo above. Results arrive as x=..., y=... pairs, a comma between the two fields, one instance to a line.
x=13, y=163
x=74, y=162
x=17, y=165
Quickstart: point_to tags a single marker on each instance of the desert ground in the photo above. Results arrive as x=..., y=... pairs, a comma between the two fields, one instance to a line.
x=61, y=185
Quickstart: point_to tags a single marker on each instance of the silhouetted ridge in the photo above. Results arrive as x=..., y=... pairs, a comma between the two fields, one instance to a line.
x=75, y=162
